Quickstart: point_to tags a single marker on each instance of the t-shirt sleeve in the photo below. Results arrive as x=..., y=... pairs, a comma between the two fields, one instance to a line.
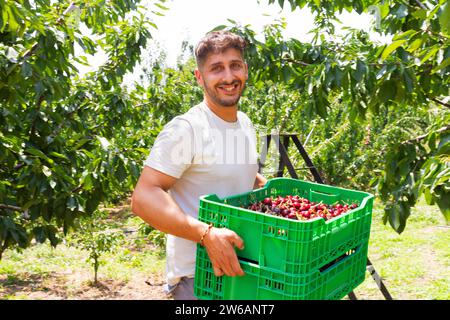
x=173, y=150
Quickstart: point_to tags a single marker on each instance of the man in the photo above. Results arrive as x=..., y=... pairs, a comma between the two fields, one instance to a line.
x=197, y=154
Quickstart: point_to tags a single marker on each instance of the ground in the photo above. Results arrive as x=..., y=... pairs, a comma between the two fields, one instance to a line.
x=134, y=271
x=78, y=286
x=414, y=265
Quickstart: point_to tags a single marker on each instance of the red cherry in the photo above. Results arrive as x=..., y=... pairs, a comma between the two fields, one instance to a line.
x=305, y=207
x=292, y=216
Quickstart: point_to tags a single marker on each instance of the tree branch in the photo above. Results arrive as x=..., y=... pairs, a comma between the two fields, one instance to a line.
x=440, y=102
x=69, y=9
x=19, y=165
x=3, y=247
x=30, y=52
x=421, y=5
x=9, y=207
x=419, y=138
x=297, y=62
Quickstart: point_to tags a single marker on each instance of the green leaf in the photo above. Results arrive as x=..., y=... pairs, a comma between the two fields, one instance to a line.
x=429, y=53
x=428, y=196
x=390, y=48
x=405, y=35
x=444, y=19
x=121, y=173
x=286, y=73
x=26, y=70
x=420, y=14
x=360, y=71
x=161, y=6
x=220, y=27
x=40, y=154
x=51, y=232
x=387, y=91
x=444, y=64
x=58, y=155
x=415, y=45
x=40, y=234
x=443, y=201
x=409, y=81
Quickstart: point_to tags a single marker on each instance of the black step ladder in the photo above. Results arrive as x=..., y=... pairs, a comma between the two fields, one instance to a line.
x=285, y=162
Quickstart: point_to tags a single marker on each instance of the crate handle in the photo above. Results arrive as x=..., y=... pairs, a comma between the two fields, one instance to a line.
x=246, y=263
x=327, y=197
x=339, y=260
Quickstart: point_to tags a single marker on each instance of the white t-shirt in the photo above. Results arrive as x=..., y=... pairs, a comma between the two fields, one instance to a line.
x=208, y=155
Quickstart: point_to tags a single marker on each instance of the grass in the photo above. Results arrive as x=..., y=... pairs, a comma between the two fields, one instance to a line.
x=414, y=265
x=36, y=267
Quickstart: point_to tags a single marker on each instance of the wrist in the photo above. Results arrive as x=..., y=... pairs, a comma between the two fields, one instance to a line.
x=204, y=234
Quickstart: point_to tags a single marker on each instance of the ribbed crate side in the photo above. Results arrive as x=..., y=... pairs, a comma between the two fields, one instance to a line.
x=259, y=283
x=206, y=284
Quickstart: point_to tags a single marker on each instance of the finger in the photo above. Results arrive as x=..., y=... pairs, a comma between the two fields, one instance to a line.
x=217, y=271
x=230, y=264
x=236, y=266
x=227, y=268
x=237, y=241
x=225, y=261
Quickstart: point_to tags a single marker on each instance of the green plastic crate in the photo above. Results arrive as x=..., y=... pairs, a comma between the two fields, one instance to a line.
x=292, y=246
x=333, y=282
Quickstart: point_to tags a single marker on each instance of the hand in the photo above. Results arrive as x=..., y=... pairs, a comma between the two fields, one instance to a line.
x=260, y=181
x=219, y=244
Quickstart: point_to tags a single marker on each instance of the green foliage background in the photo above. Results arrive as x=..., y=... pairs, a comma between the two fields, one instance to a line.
x=69, y=144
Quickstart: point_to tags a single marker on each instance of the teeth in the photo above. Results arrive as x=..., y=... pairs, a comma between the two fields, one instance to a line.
x=229, y=89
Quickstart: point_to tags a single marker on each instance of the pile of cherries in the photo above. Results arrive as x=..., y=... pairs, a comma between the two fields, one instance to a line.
x=297, y=208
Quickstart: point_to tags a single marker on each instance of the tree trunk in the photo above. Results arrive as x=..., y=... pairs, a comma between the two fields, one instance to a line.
x=95, y=269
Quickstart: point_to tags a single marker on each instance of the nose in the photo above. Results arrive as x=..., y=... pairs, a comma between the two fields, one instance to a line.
x=228, y=75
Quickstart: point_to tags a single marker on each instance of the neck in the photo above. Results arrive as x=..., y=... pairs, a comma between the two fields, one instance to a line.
x=228, y=114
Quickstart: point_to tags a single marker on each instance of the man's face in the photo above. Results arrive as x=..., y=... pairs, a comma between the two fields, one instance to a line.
x=223, y=77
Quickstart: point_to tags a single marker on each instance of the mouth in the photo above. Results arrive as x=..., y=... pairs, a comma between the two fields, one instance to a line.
x=229, y=89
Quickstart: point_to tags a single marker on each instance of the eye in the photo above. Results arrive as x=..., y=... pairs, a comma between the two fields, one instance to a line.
x=216, y=68
x=236, y=66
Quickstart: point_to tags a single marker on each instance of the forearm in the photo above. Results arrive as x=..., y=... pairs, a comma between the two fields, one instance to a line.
x=156, y=207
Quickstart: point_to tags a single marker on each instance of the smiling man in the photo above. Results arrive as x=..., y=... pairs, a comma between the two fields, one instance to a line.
x=211, y=149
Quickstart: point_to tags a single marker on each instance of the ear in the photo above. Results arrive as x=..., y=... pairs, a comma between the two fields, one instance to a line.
x=198, y=76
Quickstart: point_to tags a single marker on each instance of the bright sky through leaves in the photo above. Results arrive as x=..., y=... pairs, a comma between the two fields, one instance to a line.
x=190, y=20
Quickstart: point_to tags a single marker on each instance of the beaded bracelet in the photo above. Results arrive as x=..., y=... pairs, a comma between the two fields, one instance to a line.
x=205, y=233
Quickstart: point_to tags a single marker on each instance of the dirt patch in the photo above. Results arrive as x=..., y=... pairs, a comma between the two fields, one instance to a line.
x=79, y=286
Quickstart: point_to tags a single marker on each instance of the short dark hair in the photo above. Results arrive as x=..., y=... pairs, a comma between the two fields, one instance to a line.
x=218, y=42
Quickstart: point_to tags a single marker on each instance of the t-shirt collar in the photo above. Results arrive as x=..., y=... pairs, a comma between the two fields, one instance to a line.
x=219, y=119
